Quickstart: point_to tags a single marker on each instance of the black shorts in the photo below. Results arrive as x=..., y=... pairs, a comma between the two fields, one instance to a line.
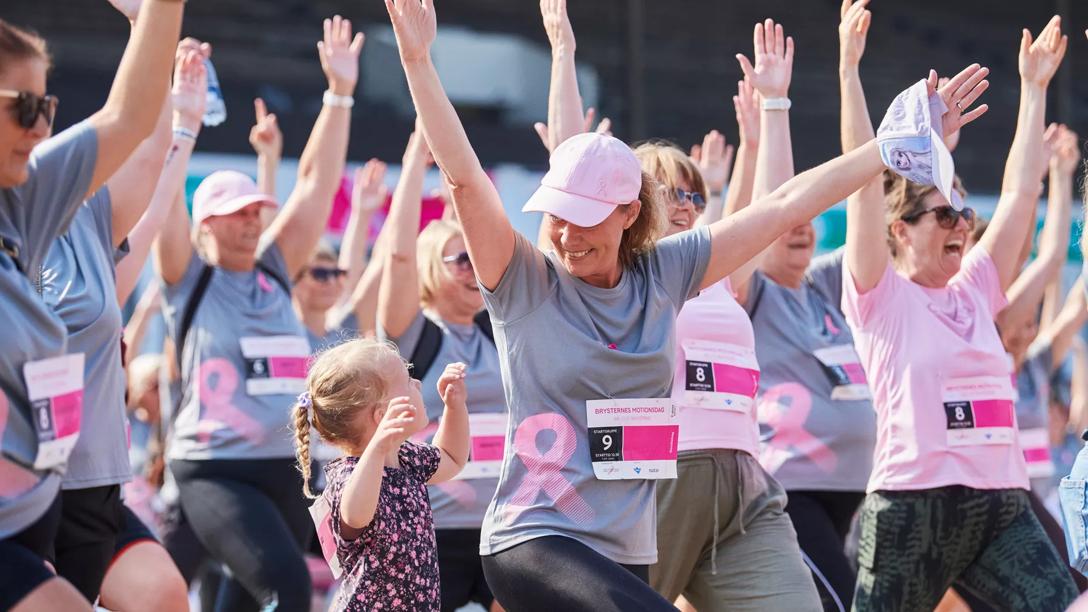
x=460, y=570
x=133, y=531
x=23, y=556
x=91, y=520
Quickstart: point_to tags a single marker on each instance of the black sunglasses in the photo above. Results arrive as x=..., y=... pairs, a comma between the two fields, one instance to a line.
x=28, y=107
x=460, y=260
x=324, y=275
x=947, y=217
x=696, y=199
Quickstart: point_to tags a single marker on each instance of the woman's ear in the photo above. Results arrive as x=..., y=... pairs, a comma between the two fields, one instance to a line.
x=900, y=233
x=631, y=211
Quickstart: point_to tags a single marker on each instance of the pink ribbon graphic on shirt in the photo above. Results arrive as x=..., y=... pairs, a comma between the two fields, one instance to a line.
x=785, y=408
x=14, y=478
x=545, y=469
x=218, y=410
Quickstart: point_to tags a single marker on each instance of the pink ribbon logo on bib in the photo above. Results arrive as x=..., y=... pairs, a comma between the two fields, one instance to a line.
x=785, y=408
x=545, y=470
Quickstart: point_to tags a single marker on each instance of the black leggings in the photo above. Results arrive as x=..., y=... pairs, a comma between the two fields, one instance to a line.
x=459, y=569
x=91, y=520
x=557, y=573
x=250, y=515
x=1057, y=537
x=822, y=521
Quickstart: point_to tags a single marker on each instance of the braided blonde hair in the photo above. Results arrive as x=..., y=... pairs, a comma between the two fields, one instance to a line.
x=343, y=382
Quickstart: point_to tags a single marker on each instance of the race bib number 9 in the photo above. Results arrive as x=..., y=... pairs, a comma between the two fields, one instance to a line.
x=275, y=365
x=720, y=376
x=979, y=410
x=632, y=439
x=488, y=442
x=55, y=390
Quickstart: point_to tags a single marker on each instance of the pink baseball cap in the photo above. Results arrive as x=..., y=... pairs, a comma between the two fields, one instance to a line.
x=226, y=192
x=590, y=175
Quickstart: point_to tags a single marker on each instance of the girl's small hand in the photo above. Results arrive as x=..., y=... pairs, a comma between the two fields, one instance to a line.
x=451, y=385
x=395, y=426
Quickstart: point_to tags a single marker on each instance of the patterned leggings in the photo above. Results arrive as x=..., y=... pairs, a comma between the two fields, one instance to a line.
x=916, y=544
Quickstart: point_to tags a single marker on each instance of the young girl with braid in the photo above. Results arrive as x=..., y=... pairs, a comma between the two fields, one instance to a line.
x=374, y=517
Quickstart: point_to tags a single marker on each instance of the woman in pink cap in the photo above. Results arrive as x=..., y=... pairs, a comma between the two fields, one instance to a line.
x=243, y=352
x=575, y=502
x=947, y=500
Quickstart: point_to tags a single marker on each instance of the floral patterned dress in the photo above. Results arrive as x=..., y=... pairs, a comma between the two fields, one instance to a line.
x=392, y=565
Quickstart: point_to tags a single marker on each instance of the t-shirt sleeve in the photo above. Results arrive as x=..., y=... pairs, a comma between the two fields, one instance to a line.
x=824, y=275
x=421, y=459
x=524, y=286
x=406, y=342
x=979, y=273
x=860, y=309
x=679, y=263
x=60, y=172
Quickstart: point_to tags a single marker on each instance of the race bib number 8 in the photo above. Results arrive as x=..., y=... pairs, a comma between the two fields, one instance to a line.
x=275, y=365
x=979, y=411
x=632, y=439
x=720, y=376
x=55, y=389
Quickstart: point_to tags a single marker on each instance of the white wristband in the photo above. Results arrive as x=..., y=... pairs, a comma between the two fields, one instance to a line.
x=774, y=104
x=337, y=101
x=185, y=134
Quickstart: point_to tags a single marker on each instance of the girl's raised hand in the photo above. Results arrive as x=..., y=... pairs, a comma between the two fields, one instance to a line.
x=451, y=385
x=746, y=104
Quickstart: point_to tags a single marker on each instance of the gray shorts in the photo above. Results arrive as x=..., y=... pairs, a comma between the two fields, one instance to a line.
x=724, y=540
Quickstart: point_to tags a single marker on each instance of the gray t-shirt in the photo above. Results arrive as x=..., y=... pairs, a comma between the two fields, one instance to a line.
x=243, y=365
x=347, y=329
x=458, y=504
x=79, y=283
x=816, y=421
x=31, y=216
x=563, y=342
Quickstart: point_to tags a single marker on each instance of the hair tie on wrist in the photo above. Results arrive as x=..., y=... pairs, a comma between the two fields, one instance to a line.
x=305, y=400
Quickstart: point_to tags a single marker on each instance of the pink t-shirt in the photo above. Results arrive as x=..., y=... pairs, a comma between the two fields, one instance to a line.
x=716, y=374
x=940, y=380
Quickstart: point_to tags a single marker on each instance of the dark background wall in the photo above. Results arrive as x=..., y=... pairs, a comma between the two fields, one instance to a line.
x=666, y=67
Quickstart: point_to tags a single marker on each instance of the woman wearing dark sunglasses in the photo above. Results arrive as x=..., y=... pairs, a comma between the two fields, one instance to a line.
x=947, y=500
x=430, y=306
x=41, y=188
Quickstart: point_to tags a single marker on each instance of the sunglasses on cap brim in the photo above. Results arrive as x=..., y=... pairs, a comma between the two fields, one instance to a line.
x=29, y=106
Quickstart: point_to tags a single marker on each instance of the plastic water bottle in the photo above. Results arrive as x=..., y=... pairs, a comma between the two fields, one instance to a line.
x=215, y=110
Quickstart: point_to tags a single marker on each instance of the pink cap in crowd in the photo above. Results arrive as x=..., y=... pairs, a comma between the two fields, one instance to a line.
x=226, y=192
x=590, y=175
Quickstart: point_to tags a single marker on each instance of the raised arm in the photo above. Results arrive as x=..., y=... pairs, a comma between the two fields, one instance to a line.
x=867, y=251
x=133, y=183
x=149, y=305
x=746, y=105
x=771, y=78
x=488, y=232
x=187, y=100
x=1020, y=188
x=452, y=437
x=299, y=225
x=140, y=86
x=398, y=302
x=715, y=161
x=267, y=141
x=368, y=193
x=1060, y=333
x=1028, y=289
x=564, y=101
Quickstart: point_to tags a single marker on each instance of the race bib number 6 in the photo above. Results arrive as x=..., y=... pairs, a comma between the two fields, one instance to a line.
x=275, y=365
x=632, y=439
x=55, y=389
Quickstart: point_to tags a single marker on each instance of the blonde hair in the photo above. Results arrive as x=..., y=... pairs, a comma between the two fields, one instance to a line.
x=343, y=382
x=902, y=198
x=667, y=163
x=432, y=240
